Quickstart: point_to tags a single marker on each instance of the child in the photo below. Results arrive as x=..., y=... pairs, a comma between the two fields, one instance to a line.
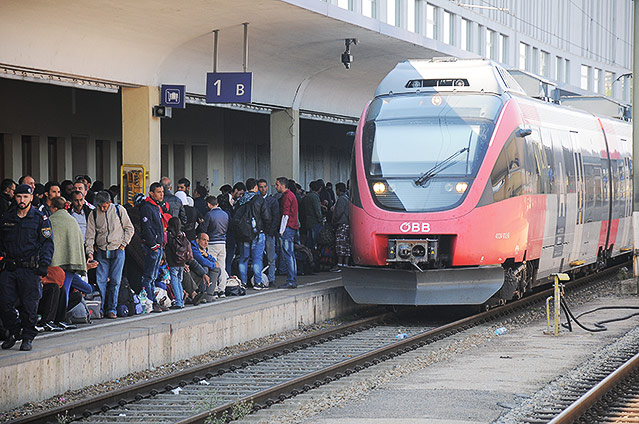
x=178, y=253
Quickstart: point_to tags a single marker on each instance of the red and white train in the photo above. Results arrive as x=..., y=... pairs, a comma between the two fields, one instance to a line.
x=466, y=191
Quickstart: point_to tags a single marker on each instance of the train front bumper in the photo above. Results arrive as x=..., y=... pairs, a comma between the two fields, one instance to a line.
x=449, y=286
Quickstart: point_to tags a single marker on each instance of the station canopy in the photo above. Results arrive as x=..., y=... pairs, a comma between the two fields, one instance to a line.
x=294, y=47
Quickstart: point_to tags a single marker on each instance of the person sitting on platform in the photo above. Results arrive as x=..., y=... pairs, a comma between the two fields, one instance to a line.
x=201, y=254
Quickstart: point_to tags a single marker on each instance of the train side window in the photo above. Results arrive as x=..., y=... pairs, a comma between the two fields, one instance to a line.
x=508, y=178
x=499, y=176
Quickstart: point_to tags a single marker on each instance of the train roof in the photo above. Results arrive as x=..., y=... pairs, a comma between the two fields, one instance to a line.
x=448, y=74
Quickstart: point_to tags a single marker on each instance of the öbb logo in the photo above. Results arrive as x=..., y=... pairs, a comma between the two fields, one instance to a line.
x=414, y=227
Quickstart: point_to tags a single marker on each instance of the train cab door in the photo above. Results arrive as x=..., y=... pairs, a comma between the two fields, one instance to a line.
x=580, y=190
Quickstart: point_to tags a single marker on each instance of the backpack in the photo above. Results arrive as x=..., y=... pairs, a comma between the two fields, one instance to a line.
x=79, y=314
x=305, y=260
x=328, y=257
x=181, y=248
x=128, y=298
x=326, y=235
x=234, y=287
x=244, y=222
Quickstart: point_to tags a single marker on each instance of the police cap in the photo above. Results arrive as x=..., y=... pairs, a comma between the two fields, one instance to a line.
x=23, y=189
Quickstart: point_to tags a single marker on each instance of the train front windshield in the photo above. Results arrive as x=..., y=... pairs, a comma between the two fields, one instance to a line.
x=422, y=151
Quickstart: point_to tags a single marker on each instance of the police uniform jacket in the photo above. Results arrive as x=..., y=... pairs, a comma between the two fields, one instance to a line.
x=26, y=239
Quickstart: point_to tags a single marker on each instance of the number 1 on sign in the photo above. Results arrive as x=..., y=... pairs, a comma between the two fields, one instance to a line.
x=218, y=87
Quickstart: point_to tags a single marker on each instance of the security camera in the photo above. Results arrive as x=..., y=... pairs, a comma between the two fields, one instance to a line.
x=347, y=57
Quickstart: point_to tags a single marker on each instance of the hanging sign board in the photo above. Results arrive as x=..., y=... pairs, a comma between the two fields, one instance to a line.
x=173, y=96
x=229, y=87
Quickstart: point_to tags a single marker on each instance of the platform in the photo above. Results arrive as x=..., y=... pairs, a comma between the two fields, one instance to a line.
x=110, y=349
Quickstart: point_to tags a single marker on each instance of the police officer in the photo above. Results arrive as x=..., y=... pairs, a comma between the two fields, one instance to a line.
x=27, y=248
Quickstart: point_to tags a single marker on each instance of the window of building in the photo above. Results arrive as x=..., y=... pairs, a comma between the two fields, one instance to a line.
x=345, y=4
x=503, y=48
x=585, y=70
x=465, y=35
x=533, y=66
x=481, y=40
x=411, y=14
x=391, y=14
x=596, y=77
x=610, y=77
x=53, y=158
x=567, y=71
x=27, y=155
x=523, y=56
x=544, y=62
x=431, y=21
x=369, y=8
x=448, y=28
x=559, y=69
x=490, y=44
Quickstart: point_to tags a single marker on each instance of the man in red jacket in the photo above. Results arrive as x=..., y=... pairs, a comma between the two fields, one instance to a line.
x=289, y=227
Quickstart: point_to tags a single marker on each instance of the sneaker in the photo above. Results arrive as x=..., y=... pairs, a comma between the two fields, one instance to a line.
x=336, y=268
x=199, y=298
x=264, y=287
x=288, y=286
x=164, y=308
x=222, y=295
x=176, y=307
x=66, y=326
x=156, y=308
x=215, y=296
x=111, y=315
x=257, y=287
x=9, y=342
x=26, y=345
x=50, y=326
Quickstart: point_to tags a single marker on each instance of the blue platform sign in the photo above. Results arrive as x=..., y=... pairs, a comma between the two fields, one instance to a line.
x=173, y=96
x=229, y=87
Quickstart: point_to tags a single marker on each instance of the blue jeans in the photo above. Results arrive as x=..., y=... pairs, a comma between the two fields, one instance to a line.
x=176, y=284
x=270, y=254
x=312, y=234
x=108, y=275
x=253, y=250
x=288, y=253
x=151, y=266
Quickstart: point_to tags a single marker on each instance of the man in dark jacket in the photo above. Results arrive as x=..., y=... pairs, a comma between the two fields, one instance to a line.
x=253, y=212
x=153, y=240
x=7, y=186
x=272, y=231
x=312, y=212
x=176, y=208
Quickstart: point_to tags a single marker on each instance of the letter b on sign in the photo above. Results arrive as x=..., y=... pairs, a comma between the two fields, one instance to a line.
x=229, y=87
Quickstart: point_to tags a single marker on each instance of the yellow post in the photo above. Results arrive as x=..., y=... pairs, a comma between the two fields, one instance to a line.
x=140, y=130
x=557, y=297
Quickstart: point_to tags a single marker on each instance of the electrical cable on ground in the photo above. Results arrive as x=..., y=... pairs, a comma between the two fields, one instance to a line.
x=599, y=326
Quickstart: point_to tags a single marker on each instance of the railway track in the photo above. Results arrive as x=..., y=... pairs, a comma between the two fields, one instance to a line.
x=260, y=378
x=614, y=399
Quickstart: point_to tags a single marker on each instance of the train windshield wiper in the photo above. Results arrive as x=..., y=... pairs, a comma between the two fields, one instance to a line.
x=423, y=179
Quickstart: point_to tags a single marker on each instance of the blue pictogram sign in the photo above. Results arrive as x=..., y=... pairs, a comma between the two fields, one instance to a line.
x=229, y=87
x=173, y=96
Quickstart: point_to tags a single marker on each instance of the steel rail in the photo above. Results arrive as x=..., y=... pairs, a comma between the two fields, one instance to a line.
x=590, y=398
x=163, y=384
x=288, y=389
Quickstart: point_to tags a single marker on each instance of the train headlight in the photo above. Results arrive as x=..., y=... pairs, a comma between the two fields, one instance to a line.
x=461, y=187
x=404, y=250
x=379, y=188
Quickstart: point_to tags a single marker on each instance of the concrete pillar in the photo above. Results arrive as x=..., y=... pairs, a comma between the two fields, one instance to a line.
x=91, y=159
x=216, y=154
x=13, y=158
x=68, y=158
x=140, y=131
x=113, y=170
x=188, y=164
x=285, y=144
x=41, y=158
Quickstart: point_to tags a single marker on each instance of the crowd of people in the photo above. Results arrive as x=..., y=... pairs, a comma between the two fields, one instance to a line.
x=64, y=246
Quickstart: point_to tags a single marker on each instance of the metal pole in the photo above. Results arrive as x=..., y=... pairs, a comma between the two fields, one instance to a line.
x=635, y=138
x=245, y=61
x=216, y=34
